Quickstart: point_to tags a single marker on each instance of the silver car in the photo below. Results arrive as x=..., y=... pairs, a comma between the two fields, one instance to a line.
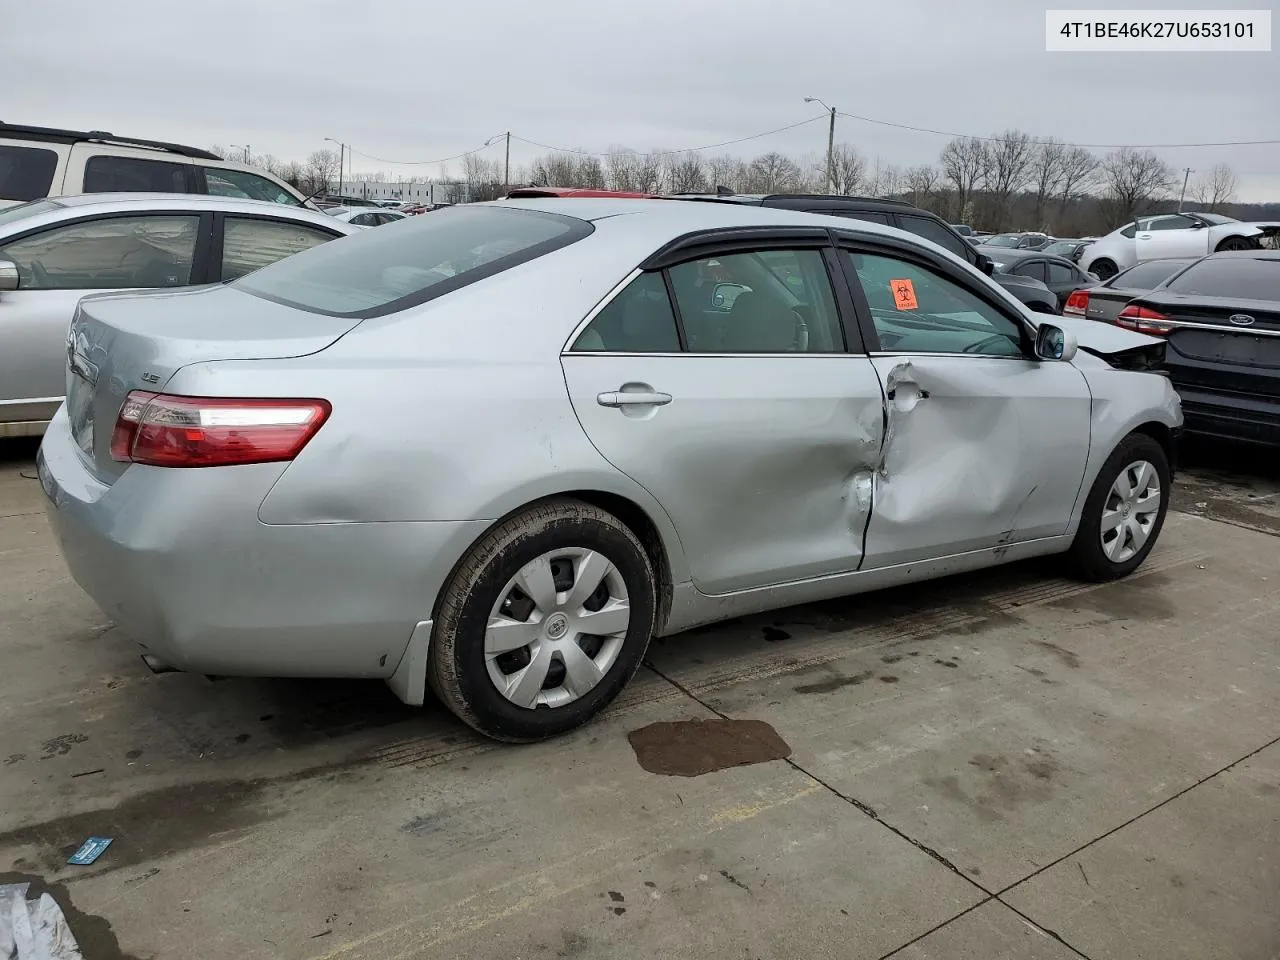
x=493, y=451
x=55, y=251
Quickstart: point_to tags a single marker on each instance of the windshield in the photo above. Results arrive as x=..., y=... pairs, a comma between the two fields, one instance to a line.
x=1002, y=240
x=412, y=261
x=1245, y=278
x=23, y=210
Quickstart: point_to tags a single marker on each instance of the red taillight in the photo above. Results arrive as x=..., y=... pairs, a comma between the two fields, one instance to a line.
x=1134, y=317
x=169, y=431
x=1077, y=304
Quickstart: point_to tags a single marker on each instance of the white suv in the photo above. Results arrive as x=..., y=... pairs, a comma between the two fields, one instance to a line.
x=38, y=162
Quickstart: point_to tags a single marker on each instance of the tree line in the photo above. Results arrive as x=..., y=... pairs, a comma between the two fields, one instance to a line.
x=1009, y=180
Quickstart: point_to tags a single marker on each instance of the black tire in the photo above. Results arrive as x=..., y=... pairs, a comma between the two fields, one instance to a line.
x=1086, y=559
x=456, y=666
x=1238, y=243
x=1103, y=269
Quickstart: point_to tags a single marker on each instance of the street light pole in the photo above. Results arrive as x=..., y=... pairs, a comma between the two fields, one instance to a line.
x=506, y=168
x=245, y=148
x=831, y=145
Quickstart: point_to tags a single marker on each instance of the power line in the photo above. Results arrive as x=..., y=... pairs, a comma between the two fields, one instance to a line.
x=414, y=163
x=1095, y=146
x=656, y=153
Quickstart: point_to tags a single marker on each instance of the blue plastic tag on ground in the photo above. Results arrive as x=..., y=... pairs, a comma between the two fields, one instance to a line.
x=89, y=851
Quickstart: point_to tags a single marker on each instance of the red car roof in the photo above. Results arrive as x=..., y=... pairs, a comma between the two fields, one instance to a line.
x=574, y=192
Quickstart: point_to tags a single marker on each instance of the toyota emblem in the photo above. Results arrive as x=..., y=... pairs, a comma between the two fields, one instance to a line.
x=1240, y=319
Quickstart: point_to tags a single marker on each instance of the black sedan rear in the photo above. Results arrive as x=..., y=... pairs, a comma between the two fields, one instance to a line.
x=1104, y=301
x=1221, y=317
x=1060, y=275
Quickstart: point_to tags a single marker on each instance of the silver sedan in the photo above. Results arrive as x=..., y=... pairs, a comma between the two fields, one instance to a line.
x=53, y=252
x=493, y=451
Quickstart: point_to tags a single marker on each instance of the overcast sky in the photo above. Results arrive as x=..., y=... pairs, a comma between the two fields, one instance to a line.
x=406, y=81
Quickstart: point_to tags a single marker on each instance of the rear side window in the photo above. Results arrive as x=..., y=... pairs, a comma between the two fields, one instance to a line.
x=247, y=186
x=637, y=320
x=26, y=173
x=1061, y=273
x=1236, y=279
x=384, y=271
x=249, y=243
x=1147, y=276
x=106, y=174
x=935, y=231
x=1129, y=231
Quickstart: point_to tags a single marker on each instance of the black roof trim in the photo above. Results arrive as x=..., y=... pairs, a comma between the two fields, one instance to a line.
x=728, y=239
x=836, y=198
x=54, y=135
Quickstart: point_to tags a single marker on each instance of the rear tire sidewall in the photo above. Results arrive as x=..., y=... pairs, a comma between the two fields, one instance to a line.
x=458, y=671
x=1235, y=243
x=1087, y=556
x=1103, y=269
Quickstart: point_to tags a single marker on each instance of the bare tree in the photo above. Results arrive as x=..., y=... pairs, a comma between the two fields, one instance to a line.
x=648, y=172
x=483, y=177
x=1079, y=173
x=291, y=173
x=1008, y=170
x=1133, y=179
x=218, y=151
x=773, y=173
x=1217, y=188
x=920, y=183
x=321, y=170
x=883, y=179
x=620, y=169
x=1047, y=174
x=848, y=169
x=726, y=171
x=685, y=173
x=964, y=164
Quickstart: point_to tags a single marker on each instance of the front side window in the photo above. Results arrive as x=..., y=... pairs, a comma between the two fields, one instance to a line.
x=768, y=301
x=109, y=253
x=384, y=271
x=26, y=173
x=638, y=320
x=916, y=310
x=249, y=244
x=935, y=231
x=246, y=186
x=1174, y=222
x=108, y=174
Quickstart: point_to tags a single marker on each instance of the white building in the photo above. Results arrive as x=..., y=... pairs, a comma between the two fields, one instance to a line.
x=435, y=192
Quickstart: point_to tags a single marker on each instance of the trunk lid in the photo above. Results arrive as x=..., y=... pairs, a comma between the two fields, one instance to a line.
x=124, y=342
x=1228, y=345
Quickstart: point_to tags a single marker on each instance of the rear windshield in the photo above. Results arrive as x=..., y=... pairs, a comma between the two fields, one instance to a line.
x=1149, y=275
x=412, y=260
x=26, y=173
x=1245, y=278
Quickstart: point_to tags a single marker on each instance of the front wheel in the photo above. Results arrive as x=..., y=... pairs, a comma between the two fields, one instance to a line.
x=1103, y=269
x=1124, y=511
x=543, y=622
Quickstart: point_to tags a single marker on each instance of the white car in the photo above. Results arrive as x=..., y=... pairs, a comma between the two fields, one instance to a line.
x=53, y=252
x=1171, y=235
x=365, y=216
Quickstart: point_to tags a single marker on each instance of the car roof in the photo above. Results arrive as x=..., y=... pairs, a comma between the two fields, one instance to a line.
x=541, y=192
x=118, y=202
x=1009, y=253
x=55, y=135
x=1245, y=255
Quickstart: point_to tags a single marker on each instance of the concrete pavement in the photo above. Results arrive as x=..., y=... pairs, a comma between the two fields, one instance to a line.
x=1005, y=765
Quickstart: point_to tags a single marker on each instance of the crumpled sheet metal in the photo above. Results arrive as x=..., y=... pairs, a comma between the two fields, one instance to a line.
x=33, y=929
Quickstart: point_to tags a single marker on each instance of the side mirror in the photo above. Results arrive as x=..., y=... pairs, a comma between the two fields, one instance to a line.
x=986, y=264
x=1196, y=225
x=1053, y=343
x=9, y=277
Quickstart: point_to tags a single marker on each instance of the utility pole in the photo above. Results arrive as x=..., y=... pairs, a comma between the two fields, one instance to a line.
x=247, y=154
x=831, y=145
x=506, y=169
x=342, y=153
x=1186, y=175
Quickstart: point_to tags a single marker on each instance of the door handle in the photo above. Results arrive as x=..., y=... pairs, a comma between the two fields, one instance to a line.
x=1144, y=236
x=892, y=392
x=619, y=398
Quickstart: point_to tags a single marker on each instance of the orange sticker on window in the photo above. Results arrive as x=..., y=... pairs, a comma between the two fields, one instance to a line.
x=904, y=295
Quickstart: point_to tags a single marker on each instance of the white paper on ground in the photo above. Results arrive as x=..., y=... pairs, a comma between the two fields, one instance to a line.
x=33, y=929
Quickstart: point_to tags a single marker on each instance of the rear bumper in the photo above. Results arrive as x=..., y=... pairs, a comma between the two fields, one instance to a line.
x=1230, y=416
x=180, y=560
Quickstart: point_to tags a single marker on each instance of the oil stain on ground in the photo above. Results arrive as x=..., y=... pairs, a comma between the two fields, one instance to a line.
x=691, y=748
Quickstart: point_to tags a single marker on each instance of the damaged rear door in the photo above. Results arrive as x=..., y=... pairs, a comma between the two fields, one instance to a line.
x=983, y=445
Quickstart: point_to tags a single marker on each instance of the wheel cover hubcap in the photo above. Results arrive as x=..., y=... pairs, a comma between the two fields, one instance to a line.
x=1129, y=511
x=557, y=628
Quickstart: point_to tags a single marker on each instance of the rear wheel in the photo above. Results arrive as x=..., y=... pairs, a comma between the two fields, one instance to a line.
x=543, y=622
x=1124, y=511
x=1104, y=269
x=1238, y=243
